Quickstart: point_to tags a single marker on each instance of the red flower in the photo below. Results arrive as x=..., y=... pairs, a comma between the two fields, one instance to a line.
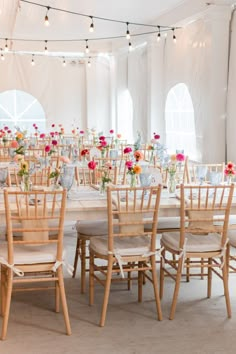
x=9, y=131
x=180, y=157
x=84, y=152
x=230, y=165
x=47, y=148
x=101, y=138
x=156, y=136
x=52, y=134
x=54, y=142
x=103, y=143
x=81, y=132
x=127, y=150
x=129, y=164
x=53, y=125
x=111, y=131
x=92, y=165
x=42, y=136
x=6, y=128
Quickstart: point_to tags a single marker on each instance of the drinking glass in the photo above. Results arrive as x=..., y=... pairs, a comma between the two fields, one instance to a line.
x=3, y=176
x=12, y=154
x=145, y=180
x=201, y=172
x=215, y=178
x=67, y=177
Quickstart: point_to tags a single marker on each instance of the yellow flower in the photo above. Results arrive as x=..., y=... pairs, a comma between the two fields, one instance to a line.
x=173, y=157
x=137, y=169
x=19, y=135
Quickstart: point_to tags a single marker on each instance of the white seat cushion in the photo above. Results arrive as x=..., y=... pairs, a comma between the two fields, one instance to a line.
x=195, y=243
x=232, y=237
x=93, y=228
x=25, y=254
x=123, y=245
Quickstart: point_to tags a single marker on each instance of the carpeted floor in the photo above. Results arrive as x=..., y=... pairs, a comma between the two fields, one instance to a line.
x=200, y=325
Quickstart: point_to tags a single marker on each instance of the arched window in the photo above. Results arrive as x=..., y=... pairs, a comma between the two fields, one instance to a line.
x=20, y=109
x=125, y=116
x=179, y=118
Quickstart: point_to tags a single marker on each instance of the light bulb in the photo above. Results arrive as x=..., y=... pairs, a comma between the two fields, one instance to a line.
x=87, y=47
x=127, y=32
x=91, y=28
x=6, y=47
x=32, y=62
x=64, y=63
x=130, y=46
x=46, y=21
x=89, y=64
x=2, y=57
x=158, y=37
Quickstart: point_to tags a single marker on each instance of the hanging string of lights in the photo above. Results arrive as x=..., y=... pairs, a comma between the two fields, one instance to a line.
x=92, y=18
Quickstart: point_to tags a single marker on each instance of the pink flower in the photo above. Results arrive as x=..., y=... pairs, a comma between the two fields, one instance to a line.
x=6, y=128
x=47, y=148
x=81, y=132
x=111, y=131
x=108, y=165
x=127, y=150
x=129, y=164
x=53, y=125
x=34, y=125
x=56, y=133
x=118, y=136
x=103, y=143
x=101, y=138
x=92, y=165
x=84, y=152
x=54, y=142
x=42, y=136
x=9, y=131
x=180, y=157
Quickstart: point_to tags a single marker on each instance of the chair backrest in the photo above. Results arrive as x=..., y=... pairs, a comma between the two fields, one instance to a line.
x=204, y=210
x=202, y=172
x=37, y=216
x=129, y=210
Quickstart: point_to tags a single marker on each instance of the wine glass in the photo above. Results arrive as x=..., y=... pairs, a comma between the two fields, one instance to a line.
x=3, y=176
x=201, y=172
x=215, y=178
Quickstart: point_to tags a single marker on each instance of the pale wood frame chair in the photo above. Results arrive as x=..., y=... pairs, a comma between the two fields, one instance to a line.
x=202, y=236
x=211, y=167
x=126, y=243
x=36, y=257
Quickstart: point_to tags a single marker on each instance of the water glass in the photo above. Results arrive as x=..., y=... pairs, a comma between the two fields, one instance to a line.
x=201, y=172
x=215, y=178
x=3, y=176
x=67, y=177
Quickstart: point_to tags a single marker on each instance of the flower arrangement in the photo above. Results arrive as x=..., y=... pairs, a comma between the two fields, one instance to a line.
x=229, y=170
x=84, y=152
x=92, y=165
x=127, y=150
x=133, y=169
x=24, y=168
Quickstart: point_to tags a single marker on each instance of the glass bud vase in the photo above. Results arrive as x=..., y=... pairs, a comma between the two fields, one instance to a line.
x=103, y=187
x=172, y=184
x=26, y=184
x=229, y=179
x=132, y=181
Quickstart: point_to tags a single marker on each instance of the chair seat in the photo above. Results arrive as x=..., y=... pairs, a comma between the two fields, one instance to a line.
x=128, y=246
x=92, y=228
x=168, y=223
x=232, y=237
x=195, y=243
x=27, y=254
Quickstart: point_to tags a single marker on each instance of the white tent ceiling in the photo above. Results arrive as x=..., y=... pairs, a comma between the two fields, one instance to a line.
x=23, y=20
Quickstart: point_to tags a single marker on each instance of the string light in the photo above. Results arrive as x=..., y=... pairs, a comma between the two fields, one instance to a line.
x=159, y=34
x=87, y=47
x=2, y=56
x=174, y=36
x=32, y=61
x=46, y=20
x=64, y=63
x=127, y=32
x=91, y=28
x=130, y=46
x=46, y=48
x=6, y=46
x=89, y=62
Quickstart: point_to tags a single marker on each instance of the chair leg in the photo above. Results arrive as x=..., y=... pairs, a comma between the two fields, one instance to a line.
x=7, y=303
x=187, y=270
x=209, y=278
x=83, y=267
x=3, y=289
x=63, y=300
x=91, y=278
x=57, y=298
x=107, y=290
x=140, y=283
x=176, y=291
x=202, y=268
x=155, y=288
x=226, y=289
x=77, y=252
x=162, y=274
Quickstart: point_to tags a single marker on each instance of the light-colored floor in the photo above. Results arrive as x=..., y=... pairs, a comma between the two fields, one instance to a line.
x=201, y=325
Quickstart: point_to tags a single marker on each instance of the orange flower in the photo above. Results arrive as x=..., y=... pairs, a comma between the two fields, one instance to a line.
x=173, y=157
x=137, y=169
x=14, y=144
x=138, y=155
